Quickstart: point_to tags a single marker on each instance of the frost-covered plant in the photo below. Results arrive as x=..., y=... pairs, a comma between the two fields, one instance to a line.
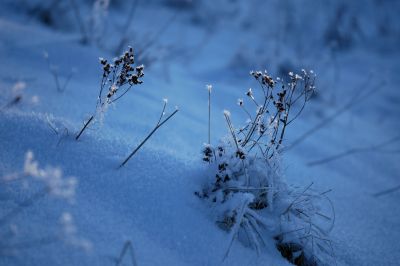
x=47, y=181
x=245, y=183
x=117, y=79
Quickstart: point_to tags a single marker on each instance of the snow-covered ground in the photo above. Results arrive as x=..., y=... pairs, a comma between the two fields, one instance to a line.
x=151, y=200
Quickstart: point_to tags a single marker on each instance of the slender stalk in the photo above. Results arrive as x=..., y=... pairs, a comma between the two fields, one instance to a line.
x=230, y=127
x=126, y=26
x=78, y=17
x=147, y=138
x=360, y=95
x=387, y=191
x=84, y=127
x=209, y=116
x=373, y=148
x=127, y=247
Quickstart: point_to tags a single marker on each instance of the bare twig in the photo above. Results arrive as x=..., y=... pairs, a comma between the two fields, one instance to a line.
x=360, y=95
x=156, y=36
x=11, y=103
x=127, y=248
x=158, y=125
x=127, y=25
x=230, y=127
x=387, y=191
x=79, y=20
x=84, y=127
x=209, y=87
x=54, y=73
x=379, y=147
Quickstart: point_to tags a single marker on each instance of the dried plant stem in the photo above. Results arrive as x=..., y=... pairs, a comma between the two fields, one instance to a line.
x=126, y=26
x=54, y=73
x=127, y=248
x=84, y=127
x=11, y=103
x=236, y=227
x=373, y=148
x=387, y=191
x=159, y=124
x=156, y=36
x=209, y=116
x=230, y=127
x=78, y=17
x=358, y=98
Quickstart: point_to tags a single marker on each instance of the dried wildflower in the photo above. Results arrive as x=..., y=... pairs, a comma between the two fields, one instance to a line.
x=246, y=175
x=117, y=80
x=207, y=153
x=267, y=80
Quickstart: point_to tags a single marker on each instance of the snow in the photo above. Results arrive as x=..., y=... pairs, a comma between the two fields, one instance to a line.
x=150, y=201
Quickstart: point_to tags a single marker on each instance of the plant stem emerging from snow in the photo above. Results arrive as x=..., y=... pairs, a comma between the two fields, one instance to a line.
x=118, y=78
x=127, y=247
x=209, y=87
x=159, y=124
x=84, y=127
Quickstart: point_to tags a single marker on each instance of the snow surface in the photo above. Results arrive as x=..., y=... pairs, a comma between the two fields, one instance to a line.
x=150, y=201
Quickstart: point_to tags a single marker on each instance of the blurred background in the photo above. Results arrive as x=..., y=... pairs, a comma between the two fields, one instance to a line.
x=347, y=139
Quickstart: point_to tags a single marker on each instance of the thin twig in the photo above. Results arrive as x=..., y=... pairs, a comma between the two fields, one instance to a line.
x=387, y=191
x=84, y=127
x=127, y=248
x=373, y=148
x=209, y=114
x=154, y=40
x=127, y=25
x=78, y=17
x=360, y=95
x=230, y=127
x=11, y=103
x=147, y=138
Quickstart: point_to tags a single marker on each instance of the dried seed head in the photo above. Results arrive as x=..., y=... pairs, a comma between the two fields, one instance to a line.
x=250, y=93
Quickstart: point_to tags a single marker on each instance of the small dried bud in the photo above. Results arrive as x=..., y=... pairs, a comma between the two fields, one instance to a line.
x=267, y=80
x=227, y=113
x=250, y=93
